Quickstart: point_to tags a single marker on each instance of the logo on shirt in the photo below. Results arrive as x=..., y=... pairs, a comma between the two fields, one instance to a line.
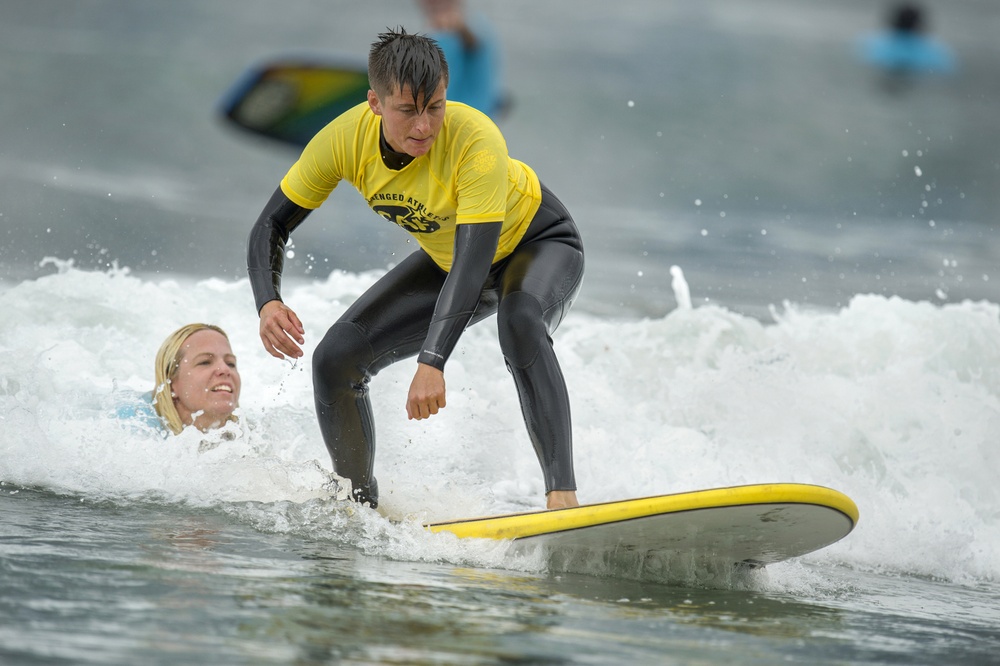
x=484, y=161
x=413, y=220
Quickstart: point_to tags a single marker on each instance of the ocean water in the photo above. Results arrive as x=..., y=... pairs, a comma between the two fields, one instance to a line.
x=791, y=278
x=118, y=546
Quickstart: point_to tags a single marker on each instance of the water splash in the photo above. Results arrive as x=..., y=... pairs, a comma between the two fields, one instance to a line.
x=896, y=403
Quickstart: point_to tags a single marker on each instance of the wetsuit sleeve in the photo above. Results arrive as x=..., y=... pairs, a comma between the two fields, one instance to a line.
x=475, y=246
x=266, y=246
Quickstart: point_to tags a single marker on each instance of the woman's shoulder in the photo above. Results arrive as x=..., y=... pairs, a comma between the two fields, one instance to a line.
x=137, y=408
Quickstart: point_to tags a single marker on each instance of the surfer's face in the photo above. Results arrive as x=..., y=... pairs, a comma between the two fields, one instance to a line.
x=206, y=387
x=410, y=127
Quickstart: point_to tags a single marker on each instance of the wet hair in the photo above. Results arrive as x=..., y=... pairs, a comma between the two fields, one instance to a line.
x=907, y=18
x=168, y=362
x=398, y=59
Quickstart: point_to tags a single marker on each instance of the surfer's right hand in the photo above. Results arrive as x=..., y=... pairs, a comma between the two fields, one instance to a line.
x=280, y=330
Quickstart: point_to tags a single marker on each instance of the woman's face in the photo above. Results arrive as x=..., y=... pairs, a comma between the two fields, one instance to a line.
x=206, y=387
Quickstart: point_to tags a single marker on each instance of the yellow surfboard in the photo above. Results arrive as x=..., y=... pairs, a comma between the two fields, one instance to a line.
x=755, y=524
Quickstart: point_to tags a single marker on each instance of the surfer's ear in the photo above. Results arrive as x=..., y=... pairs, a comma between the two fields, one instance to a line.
x=374, y=104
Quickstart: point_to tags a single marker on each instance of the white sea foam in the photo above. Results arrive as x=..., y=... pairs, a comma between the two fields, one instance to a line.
x=895, y=403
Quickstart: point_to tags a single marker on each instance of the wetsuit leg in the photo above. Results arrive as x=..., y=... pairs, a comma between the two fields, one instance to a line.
x=386, y=324
x=538, y=285
x=390, y=321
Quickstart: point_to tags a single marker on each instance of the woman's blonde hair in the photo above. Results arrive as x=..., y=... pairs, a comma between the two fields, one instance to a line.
x=168, y=362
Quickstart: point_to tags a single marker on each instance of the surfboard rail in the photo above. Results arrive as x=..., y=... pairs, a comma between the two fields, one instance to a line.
x=533, y=523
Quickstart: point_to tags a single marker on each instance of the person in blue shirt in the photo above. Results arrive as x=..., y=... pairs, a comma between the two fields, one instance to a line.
x=904, y=50
x=472, y=51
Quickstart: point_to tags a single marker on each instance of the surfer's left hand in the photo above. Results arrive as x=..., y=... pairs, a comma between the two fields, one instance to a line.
x=427, y=392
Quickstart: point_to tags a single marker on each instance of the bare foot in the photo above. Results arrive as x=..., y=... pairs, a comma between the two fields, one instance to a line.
x=561, y=499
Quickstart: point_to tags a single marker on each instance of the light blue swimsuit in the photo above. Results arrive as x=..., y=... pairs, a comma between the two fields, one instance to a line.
x=138, y=408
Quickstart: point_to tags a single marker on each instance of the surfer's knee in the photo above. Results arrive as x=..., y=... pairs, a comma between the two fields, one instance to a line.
x=340, y=361
x=521, y=328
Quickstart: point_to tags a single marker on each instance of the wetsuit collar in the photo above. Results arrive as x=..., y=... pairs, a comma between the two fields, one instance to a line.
x=390, y=158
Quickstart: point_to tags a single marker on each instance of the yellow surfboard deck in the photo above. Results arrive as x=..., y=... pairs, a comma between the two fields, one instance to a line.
x=759, y=524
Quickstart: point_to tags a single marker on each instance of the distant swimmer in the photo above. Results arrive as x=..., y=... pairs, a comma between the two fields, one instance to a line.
x=472, y=51
x=904, y=50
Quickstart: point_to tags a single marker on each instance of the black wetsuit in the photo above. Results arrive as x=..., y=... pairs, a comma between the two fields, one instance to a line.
x=414, y=310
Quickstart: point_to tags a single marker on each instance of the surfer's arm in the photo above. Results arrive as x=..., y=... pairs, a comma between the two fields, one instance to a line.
x=280, y=328
x=266, y=245
x=475, y=247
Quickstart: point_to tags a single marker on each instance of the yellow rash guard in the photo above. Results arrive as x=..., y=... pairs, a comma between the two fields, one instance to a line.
x=467, y=177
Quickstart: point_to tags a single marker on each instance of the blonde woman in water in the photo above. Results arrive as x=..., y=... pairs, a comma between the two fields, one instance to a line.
x=197, y=382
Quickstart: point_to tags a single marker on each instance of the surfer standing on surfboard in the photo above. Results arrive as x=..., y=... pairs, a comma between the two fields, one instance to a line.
x=492, y=239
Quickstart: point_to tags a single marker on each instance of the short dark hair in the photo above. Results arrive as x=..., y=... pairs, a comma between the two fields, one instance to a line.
x=907, y=18
x=398, y=59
